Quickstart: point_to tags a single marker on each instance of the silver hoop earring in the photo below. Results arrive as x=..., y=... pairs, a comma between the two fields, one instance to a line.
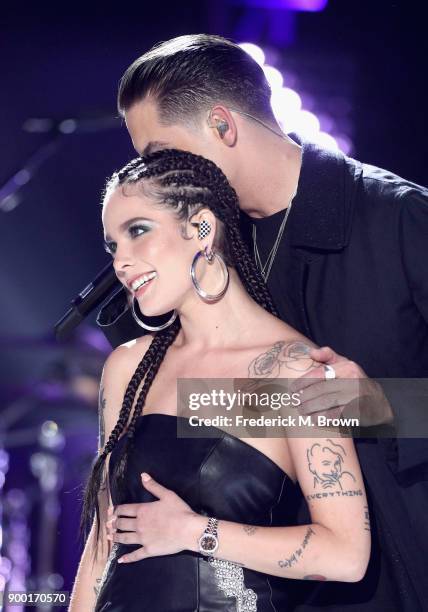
x=151, y=327
x=209, y=297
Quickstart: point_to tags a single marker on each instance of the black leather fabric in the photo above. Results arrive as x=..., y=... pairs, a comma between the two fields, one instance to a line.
x=219, y=476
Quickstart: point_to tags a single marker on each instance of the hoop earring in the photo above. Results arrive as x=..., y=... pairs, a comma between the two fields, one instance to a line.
x=209, y=297
x=152, y=327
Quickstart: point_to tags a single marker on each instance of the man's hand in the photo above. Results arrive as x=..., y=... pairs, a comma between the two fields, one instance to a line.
x=364, y=399
x=162, y=527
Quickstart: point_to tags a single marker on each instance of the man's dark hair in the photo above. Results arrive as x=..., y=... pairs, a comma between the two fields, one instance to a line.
x=188, y=75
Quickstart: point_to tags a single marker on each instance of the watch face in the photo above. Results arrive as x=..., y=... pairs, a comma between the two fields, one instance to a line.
x=208, y=543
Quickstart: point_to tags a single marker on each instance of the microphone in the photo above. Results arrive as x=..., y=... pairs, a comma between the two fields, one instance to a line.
x=94, y=294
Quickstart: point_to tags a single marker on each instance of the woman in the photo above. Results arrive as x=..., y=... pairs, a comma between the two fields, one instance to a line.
x=214, y=536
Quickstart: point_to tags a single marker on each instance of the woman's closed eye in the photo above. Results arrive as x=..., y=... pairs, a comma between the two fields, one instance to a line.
x=134, y=231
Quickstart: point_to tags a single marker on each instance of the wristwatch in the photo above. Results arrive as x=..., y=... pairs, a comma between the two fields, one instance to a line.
x=208, y=542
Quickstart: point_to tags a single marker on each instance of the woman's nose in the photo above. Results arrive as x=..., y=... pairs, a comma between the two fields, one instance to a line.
x=122, y=261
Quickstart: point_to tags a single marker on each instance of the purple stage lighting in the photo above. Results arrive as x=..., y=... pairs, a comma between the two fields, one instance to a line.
x=290, y=5
x=287, y=107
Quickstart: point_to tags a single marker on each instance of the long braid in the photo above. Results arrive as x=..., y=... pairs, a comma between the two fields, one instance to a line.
x=94, y=482
x=182, y=180
x=166, y=338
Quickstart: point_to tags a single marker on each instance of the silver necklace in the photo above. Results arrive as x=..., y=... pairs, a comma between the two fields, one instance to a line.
x=267, y=267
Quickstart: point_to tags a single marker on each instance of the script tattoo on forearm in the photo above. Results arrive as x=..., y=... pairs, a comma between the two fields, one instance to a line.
x=101, y=409
x=250, y=529
x=293, y=355
x=366, y=519
x=295, y=557
x=326, y=462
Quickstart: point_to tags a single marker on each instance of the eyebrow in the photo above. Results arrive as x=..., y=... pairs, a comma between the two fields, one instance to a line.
x=153, y=146
x=124, y=226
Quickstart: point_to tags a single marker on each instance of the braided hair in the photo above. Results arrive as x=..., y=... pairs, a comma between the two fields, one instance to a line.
x=184, y=183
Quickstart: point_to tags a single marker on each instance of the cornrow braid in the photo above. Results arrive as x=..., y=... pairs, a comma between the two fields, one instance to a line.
x=180, y=181
x=94, y=482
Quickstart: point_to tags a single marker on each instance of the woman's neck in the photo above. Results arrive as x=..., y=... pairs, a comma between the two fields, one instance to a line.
x=228, y=323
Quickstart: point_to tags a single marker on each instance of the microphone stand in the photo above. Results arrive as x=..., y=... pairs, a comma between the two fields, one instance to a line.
x=9, y=192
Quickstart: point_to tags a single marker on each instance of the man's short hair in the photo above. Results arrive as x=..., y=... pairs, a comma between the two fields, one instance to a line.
x=189, y=74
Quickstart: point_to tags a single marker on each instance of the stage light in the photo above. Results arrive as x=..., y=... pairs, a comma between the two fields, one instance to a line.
x=256, y=53
x=285, y=101
x=307, y=125
x=274, y=77
x=287, y=108
x=326, y=140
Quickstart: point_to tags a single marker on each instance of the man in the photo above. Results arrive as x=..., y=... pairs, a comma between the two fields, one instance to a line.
x=339, y=244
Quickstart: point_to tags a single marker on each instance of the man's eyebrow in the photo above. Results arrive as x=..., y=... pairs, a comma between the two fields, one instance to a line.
x=124, y=226
x=153, y=146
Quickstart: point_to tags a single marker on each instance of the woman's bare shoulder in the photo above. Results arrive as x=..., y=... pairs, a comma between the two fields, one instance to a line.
x=125, y=357
x=285, y=355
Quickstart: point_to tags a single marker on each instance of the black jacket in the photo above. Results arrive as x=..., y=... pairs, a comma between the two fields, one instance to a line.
x=351, y=272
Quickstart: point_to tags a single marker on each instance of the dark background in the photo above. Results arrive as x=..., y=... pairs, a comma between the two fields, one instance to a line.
x=56, y=63
x=59, y=62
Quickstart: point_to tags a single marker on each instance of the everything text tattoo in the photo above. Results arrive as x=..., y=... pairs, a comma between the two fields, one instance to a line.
x=348, y=493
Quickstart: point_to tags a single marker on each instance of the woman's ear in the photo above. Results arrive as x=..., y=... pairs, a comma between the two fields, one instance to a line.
x=204, y=222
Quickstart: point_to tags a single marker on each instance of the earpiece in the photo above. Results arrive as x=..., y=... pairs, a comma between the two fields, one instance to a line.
x=222, y=127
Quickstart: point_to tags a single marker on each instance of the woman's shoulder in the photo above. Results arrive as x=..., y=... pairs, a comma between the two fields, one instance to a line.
x=124, y=358
x=283, y=353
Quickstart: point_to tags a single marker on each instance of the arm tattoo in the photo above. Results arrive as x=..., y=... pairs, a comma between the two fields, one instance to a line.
x=293, y=355
x=325, y=463
x=295, y=557
x=366, y=519
x=101, y=408
x=97, y=586
x=250, y=529
x=315, y=577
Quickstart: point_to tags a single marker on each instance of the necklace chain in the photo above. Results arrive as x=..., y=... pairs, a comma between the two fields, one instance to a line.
x=267, y=267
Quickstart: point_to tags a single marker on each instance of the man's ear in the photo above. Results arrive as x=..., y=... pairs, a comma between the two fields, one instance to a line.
x=223, y=124
x=204, y=222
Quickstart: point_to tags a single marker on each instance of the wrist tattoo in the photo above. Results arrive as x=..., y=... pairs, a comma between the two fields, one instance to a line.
x=250, y=529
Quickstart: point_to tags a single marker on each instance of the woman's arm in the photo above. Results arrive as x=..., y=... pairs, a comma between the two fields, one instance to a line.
x=335, y=546
x=117, y=371
x=88, y=577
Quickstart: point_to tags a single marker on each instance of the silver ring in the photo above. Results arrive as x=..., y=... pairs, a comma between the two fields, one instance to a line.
x=329, y=372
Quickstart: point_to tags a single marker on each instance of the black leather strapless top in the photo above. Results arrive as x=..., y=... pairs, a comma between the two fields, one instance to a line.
x=219, y=476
